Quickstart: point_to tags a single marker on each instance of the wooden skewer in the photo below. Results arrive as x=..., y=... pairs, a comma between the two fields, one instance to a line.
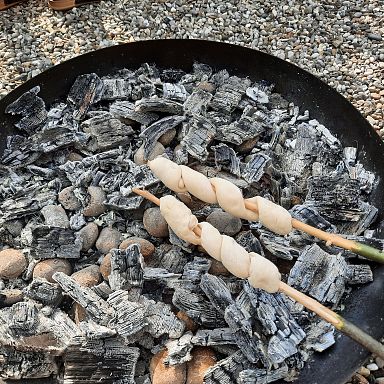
x=325, y=313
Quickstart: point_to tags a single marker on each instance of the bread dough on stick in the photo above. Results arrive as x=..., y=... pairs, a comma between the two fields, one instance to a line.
x=231, y=199
x=263, y=273
x=168, y=172
x=211, y=240
x=180, y=218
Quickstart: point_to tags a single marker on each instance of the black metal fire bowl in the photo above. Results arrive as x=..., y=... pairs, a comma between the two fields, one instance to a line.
x=365, y=306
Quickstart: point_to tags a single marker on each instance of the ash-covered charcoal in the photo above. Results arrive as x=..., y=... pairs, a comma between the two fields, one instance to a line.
x=359, y=274
x=43, y=291
x=256, y=167
x=157, y=129
x=17, y=153
x=311, y=216
x=32, y=110
x=226, y=157
x=50, y=242
x=127, y=270
x=106, y=132
x=228, y=95
x=218, y=336
x=116, y=89
x=85, y=91
x=115, y=362
x=175, y=92
x=22, y=318
x=158, y=104
x=367, y=179
x=250, y=242
x=179, y=350
x=332, y=141
x=262, y=376
x=127, y=113
x=172, y=75
x=319, y=274
x=173, y=260
x=259, y=93
x=200, y=133
x=197, y=103
x=278, y=245
x=194, y=271
x=320, y=336
x=175, y=240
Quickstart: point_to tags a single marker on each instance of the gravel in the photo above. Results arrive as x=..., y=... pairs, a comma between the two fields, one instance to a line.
x=342, y=42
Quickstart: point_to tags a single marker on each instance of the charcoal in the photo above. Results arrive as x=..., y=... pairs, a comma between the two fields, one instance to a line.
x=257, y=94
x=85, y=91
x=125, y=111
x=172, y=75
x=197, y=103
x=158, y=274
x=181, y=155
x=99, y=310
x=130, y=316
x=17, y=153
x=157, y=129
x=103, y=290
x=262, y=376
x=175, y=240
x=218, y=336
x=114, y=89
x=158, y=104
x=32, y=110
x=366, y=178
x=359, y=274
x=311, y=216
x=248, y=126
x=179, y=350
x=175, y=92
x=114, y=361
x=194, y=271
x=200, y=133
x=106, y=132
x=197, y=308
x=94, y=331
x=256, y=167
x=23, y=318
x=127, y=270
x=43, y=291
x=173, y=261
x=227, y=370
x=50, y=242
x=250, y=242
x=228, y=95
x=320, y=336
x=319, y=274
x=226, y=157
x=278, y=245
x=331, y=140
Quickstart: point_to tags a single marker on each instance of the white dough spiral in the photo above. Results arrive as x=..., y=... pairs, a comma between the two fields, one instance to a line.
x=180, y=178
x=260, y=272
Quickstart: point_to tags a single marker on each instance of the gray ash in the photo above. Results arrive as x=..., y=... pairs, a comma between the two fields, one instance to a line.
x=60, y=317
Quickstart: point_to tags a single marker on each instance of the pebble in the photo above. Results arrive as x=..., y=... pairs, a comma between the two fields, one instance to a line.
x=162, y=374
x=364, y=371
x=55, y=216
x=88, y=276
x=146, y=247
x=138, y=158
x=359, y=379
x=109, y=238
x=155, y=223
x=68, y=199
x=224, y=222
x=105, y=266
x=380, y=362
x=218, y=268
x=379, y=380
x=12, y=263
x=46, y=268
x=372, y=367
x=73, y=156
x=166, y=138
x=9, y=297
x=96, y=205
x=203, y=358
x=89, y=235
x=190, y=324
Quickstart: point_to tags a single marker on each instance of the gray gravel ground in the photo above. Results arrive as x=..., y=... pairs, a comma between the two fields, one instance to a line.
x=342, y=42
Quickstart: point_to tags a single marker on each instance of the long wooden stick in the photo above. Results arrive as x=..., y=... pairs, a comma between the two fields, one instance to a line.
x=325, y=313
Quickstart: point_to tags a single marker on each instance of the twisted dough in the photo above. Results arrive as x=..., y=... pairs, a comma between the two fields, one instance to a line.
x=180, y=178
x=260, y=272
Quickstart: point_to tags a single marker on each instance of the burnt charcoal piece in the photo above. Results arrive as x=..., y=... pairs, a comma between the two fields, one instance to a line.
x=262, y=376
x=256, y=167
x=157, y=129
x=172, y=75
x=311, y=216
x=226, y=371
x=173, y=261
x=32, y=110
x=250, y=242
x=116, y=89
x=175, y=240
x=258, y=93
x=366, y=178
x=320, y=336
x=218, y=336
x=121, y=203
x=106, y=132
x=200, y=133
x=85, y=91
x=105, y=361
x=99, y=310
x=22, y=365
x=335, y=198
x=157, y=104
x=179, y=350
x=193, y=272
x=127, y=270
x=319, y=274
x=17, y=153
x=226, y=157
x=278, y=245
x=359, y=274
x=326, y=135
x=228, y=95
x=130, y=316
x=125, y=111
x=198, y=102
x=50, y=243
x=197, y=308
x=23, y=318
x=44, y=291
x=249, y=126
x=175, y=92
